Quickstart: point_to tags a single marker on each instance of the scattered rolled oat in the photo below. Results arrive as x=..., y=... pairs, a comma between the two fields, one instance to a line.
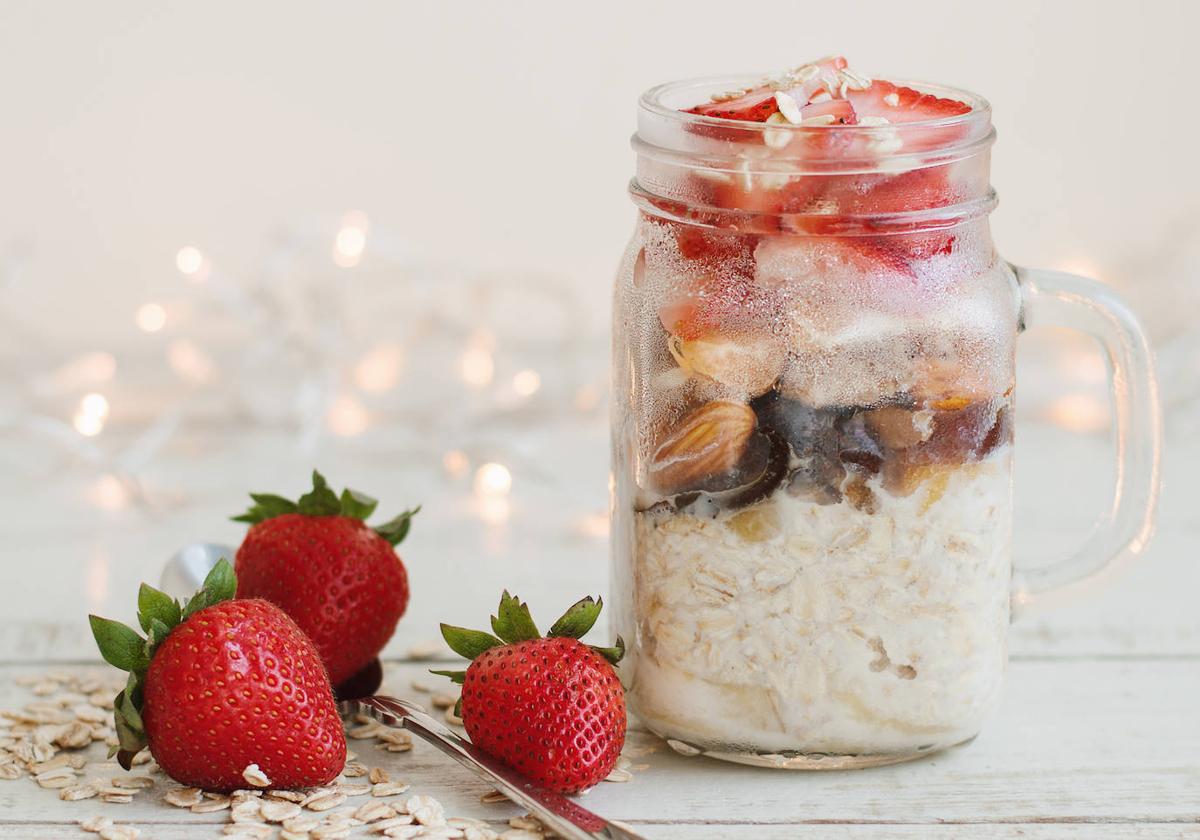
x=378, y=775
x=255, y=777
x=250, y=810
x=388, y=788
x=132, y=782
x=184, y=797
x=618, y=775
x=301, y=824
x=326, y=802
x=76, y=793
x=528, y=822
x=521, y=834
x=392, y=822
x=355, y=790
x=366, y=730
x=212, y=804
x=291, y=795
x=373, y=811
x=313, y=794
x=453, y=719
x=95, y=824
x=443, y=701
x=354, y=769
x=426, y=810
x=493, y=797
x=120, y=832
x=277, y=810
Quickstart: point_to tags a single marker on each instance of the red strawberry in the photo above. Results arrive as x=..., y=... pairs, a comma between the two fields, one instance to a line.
x=220, y=685
x=552, y=707
x=900, y=104
x=340, y=580
x=756, y=106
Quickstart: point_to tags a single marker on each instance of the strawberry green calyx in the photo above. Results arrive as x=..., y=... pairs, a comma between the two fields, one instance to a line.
x=513, y=623
x=322, y=501
x=124, y=648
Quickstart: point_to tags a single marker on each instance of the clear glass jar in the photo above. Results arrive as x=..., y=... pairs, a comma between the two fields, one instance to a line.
x=812, y=434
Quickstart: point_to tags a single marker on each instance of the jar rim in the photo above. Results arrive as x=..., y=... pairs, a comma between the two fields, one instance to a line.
x=661, y=101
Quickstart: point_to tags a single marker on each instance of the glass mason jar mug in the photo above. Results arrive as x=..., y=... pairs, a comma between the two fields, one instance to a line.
x=813, y=434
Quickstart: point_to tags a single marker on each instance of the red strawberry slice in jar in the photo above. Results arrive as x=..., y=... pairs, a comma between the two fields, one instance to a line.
x=901, y=104
x=754, y=106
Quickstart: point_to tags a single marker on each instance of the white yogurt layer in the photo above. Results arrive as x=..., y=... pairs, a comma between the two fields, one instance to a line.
x=824, y=628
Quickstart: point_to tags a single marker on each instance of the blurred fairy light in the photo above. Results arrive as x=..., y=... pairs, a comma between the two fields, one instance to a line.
x=347, y=417
x=379, y=369
x=90, y=415
x=1080, y=412
x=527, y=382
x=151, y=317
x=476, y=364
x=456, y=463
x=492, y=480
x=351, y=240
x=108, y=492
x=190, y=262
x=492, y=484
x=190, y=362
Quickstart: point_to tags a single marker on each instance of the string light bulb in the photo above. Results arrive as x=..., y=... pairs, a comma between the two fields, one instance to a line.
x=90, y=415
x=351, y=240
x=492, y=480
x=190, y=262
x=527, y=382
x=151, y=317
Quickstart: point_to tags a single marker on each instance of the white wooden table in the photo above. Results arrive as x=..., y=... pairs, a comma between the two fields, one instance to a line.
x=1098, y=735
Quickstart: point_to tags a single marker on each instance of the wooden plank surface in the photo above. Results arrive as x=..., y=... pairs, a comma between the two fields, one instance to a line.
x=1080, y=748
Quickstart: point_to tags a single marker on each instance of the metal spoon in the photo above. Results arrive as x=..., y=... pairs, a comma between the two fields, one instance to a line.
x=185, y=572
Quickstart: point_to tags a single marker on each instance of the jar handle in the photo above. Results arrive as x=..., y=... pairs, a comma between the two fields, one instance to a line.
x=1054, y=298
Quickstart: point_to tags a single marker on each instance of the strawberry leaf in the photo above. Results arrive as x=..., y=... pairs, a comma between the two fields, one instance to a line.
x=158, y=632
x=613, y=654
x=266, y=506
x=395, y=530
x=120, y=646
x=357, y=505
x=153, y=604
x=220, y=585
x=579, y=619
x=320, y=501
x=512, y=621
x=468, y=643
x=456, y=677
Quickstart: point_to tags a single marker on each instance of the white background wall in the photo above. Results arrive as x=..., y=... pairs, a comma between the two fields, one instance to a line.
x=496, y=133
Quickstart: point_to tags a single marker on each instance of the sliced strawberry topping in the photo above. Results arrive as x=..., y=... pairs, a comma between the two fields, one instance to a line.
x=756, y=106
x=899, y=104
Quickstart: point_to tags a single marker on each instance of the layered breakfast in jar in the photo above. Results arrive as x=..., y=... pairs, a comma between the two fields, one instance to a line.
x=813, y=421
